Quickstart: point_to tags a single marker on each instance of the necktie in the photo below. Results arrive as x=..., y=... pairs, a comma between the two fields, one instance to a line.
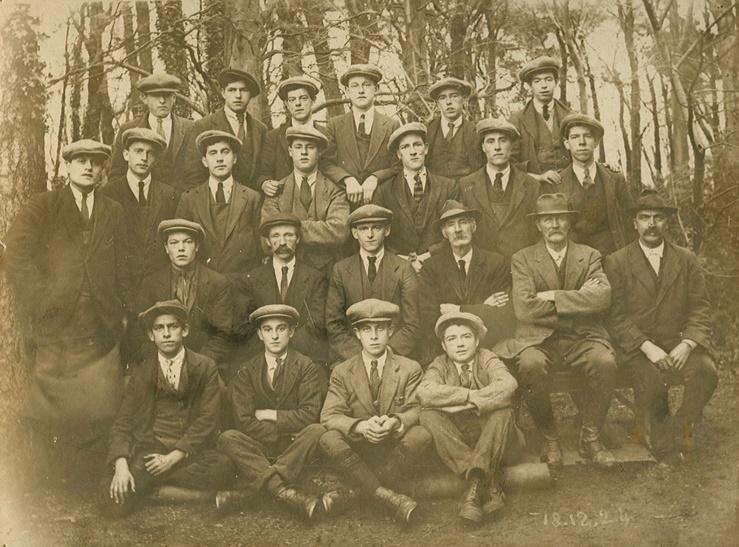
x=361, y=129
x=142, y=195
x=276, y=372
x=374, y=380
x=417, y=188
x=160, y=129
x=170, y=374
x=587, y=182
x=545, y=112
x=181, y=289
x=85, y=209
x=450, y=132
x=305, y=194
x=220, y=195
x=371, y=268
x=466, y=376
x=498, y=183
x=283, y=284
x=241, y=133
x=462, y=269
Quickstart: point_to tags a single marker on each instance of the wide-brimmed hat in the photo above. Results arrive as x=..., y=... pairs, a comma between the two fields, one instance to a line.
x=651, y=199
x=552, y=204
x=453, y=208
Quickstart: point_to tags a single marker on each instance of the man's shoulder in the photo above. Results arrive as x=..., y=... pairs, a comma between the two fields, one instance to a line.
x=404, y=364
x=259, y=125
x=524, y=178
x=186, y=123
x=345, y=263
x=442, y=180
x=212, y=277
x=200, y=362
x=248, y=193
x=468, y=181
x=489, y=258
x=207, y=121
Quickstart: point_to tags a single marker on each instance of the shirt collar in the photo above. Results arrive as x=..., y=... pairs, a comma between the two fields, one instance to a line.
x=539, y=106
x=311, y=178
x=457, y=123
x=459, y=366
x=556, y=255
x=277, y=264
x=367, y=359
x=380, y=255
x=77, y=194
x=227, y=184
x=506, y=174
x=272, y=360
x=153, y=120
x=133, y=180
x=580, y=171
x=231, y=114
x=467, y=258
x=659, y=250
x=177, y=360
x=409, y=176
x=369, y=116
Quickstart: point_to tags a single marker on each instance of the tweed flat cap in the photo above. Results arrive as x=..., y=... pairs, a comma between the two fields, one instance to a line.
x=308, y=133
x=540, y=64
x=552, y=204
x=170, y=307
x=405, y=129
x=450, y=82
x=297, y=82
x=180, y=225
x=372, y=310
x=275, y=311
x=143, y=134
x=498, y=125
x=206, y=138
x=370, y=213
x=653, y=200
x=86, y=147
x=278, y=219
x=159, y=82
x=453, y=209
x=230, y=75
x=465, y=318
x=577, y=119
x=369, y=71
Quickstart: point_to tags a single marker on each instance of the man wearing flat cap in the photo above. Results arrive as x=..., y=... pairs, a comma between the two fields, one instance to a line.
x=415, y=196
x=158, y=92
x=165, y=430
x=205, y=293
x=597, y=192
x=357, y=158
x=560, y=293
x=238, y=88
x=661, y=324
x=373, y=272
x=66, y=261
x=371, y=413
x=454, y=146
x=320, y=205
x=540, y=150
x=466, y=398
x=275, y=400
x=502, y=193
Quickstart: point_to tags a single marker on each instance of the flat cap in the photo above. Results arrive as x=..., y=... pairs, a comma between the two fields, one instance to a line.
x=210, y=136
x=651, y=199
x=308, y=133
x=278, y=219
x=86, y=147
x=230, y=75
x=577, y=119
x=453, y=208
x=180, y=225
x=499, y=125
x=370, y=213
x=460, y=317
x=369, y=71
x=297, y=82
x=143, y=134
x=160, y=82
x=540, y=64
x=372, y=310
x=172, y=307
x=275, y=311
x=463, y=86
x=552, y=204
x=405, y=129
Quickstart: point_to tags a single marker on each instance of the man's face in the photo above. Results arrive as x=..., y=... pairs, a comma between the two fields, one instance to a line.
x=412, y=152
x=451, y=103
x=542, y=86
x=275, y=333
x=361, y=91
x=220, y=159
x=283, y=240
x=374, y=336
x=497, y=148
x=299, y=104
x=460, y=343
x=458, y=231
x=554, y=228
x=371, y=235
x=85, y=170
x=237, y=96
x=651, y=225
x=168, y=333
x=181, y=248
x=140, y=156
x=159, y=103
x=304, y=154
x=581, y=142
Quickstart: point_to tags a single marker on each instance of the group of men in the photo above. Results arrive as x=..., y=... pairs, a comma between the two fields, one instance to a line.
x=364, y=291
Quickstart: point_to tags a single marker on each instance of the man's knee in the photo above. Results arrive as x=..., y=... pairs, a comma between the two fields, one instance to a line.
x=228, y=439
x=312, y=432
x=602, y=364
x=533, y=366
x=417, y=439
x=333, y=443
x=701, y=369
x=432, y=419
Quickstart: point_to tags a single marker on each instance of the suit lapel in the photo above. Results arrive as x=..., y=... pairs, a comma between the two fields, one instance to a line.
x=202, y=206
x=400, y=197
x=387, y=275
x=528, y=119
x=156, y=199
x=546, y=270
x=475, y=273
x=348, y=132
x=71, y=215
x=287, y=378
x=574, y=263
x=388, y=383
x=296, y=283
x=669, y=269
x=518, y=192
x=178, y=136
x=355, y=282
x=453, y=276
x=480, y=192
x=283, y=140
x=639, y=265
x=377, y=135
x=360, y=382
x=320, y=204
x=433, y=191
x=99, y=218
x=238, y=203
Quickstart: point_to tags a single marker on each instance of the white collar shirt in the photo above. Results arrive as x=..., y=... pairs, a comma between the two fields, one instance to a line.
x=505, y=172
x=277, y=265
x=228, y=185
x=460, y=365
x=365, y=259
x=367, y=359
x=557, y=256
x=580, y=172
x=166, y=126
x=78, y=198
x=411, y=181
x=233, y=120
x=539, y=107
x=654, y=255
x=369, y=118
x=445, y=125
x=467, y=260
x=311, y=180
x=133, y=184
x=172, y=368
x=272, y=366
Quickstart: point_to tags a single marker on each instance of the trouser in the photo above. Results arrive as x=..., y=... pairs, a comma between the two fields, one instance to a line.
x=467, y=442
x=590, y=358
x=698, y=375
x=206, y=470
x=369, y=465
x=290, y=455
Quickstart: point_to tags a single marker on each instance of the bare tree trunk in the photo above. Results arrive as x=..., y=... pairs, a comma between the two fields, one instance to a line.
x=129, y=44
x=564, y=66
x=143, y=35
x=626, y=19
x=98, y=122
x=172, y=46
x=360, y=25
x=214, y=46
x=326, y=68
x=656, y=130
x=289, y=26
x=622, y=123
x=668, y=124
x=75, y=98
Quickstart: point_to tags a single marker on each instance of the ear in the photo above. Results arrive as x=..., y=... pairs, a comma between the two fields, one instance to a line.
x=125, y=154
x=356, y=333
x=259, y=333
x=355, y=233
x=150, y=334
x=205, y=163
x=185, y=330
x=566, y=142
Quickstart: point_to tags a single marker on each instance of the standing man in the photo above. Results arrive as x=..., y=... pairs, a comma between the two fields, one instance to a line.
x=371, y=411
x=503, y=193
x=661, y=323
x=466, y=398
x=415, y=196
x=598, y=193
x=276, y=401
x=540, y=151
x=237, y=88
x=559, y=294
x=358, y=158
x=373, y=272
x=320, y=205
x=454, y=150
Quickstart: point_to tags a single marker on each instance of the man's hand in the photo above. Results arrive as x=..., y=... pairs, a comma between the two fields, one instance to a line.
x=368, y=187
x=656, y=355
x=497, y=299
x=122, y=482
x=546, y=295
x=372, y=430
x=271, y=188
x=680, y=354
x=551, y=177
x=354, y=190
x=417, y=265
x=389, y=423
x=266, y=415
x=448, y=308
x=158, y=464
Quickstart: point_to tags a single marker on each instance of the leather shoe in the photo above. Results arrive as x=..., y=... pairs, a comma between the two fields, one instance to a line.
x=337, y=501
x=552, y=454
x=304, y=503
x=470, y=508
x=495, y=498
x=227, y=500
x=595, y=452
x=401, y=505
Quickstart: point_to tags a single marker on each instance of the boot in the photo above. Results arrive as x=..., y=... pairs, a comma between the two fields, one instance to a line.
x=593, y=450
x=227, y=500
x=552, y=453
x=495, y=498
x=470, y=508
x=304, y=503
x=401, y=505
x=337, y=501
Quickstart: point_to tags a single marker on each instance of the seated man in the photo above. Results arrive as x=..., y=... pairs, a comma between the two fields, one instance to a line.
x=168, y=420
x=661, y=323
x=466, y=397
x=275, y=399
x=371, y=411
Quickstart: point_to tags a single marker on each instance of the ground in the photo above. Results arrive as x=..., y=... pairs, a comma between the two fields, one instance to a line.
x=637, y=504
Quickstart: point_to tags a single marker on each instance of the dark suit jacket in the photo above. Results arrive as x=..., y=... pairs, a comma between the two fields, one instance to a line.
x=579, y=310
x=513, y=232
x=471, y=159
x=245, y=170
x=524, y=149
x=297, y=397
x=395, y=282
x=341, y=158
x=239, y=251
x=47, y=261
x=170, y=166
x=275, y=162
x=404, y=237
x=664, y=312
x=133, y=425
x=349, y=399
